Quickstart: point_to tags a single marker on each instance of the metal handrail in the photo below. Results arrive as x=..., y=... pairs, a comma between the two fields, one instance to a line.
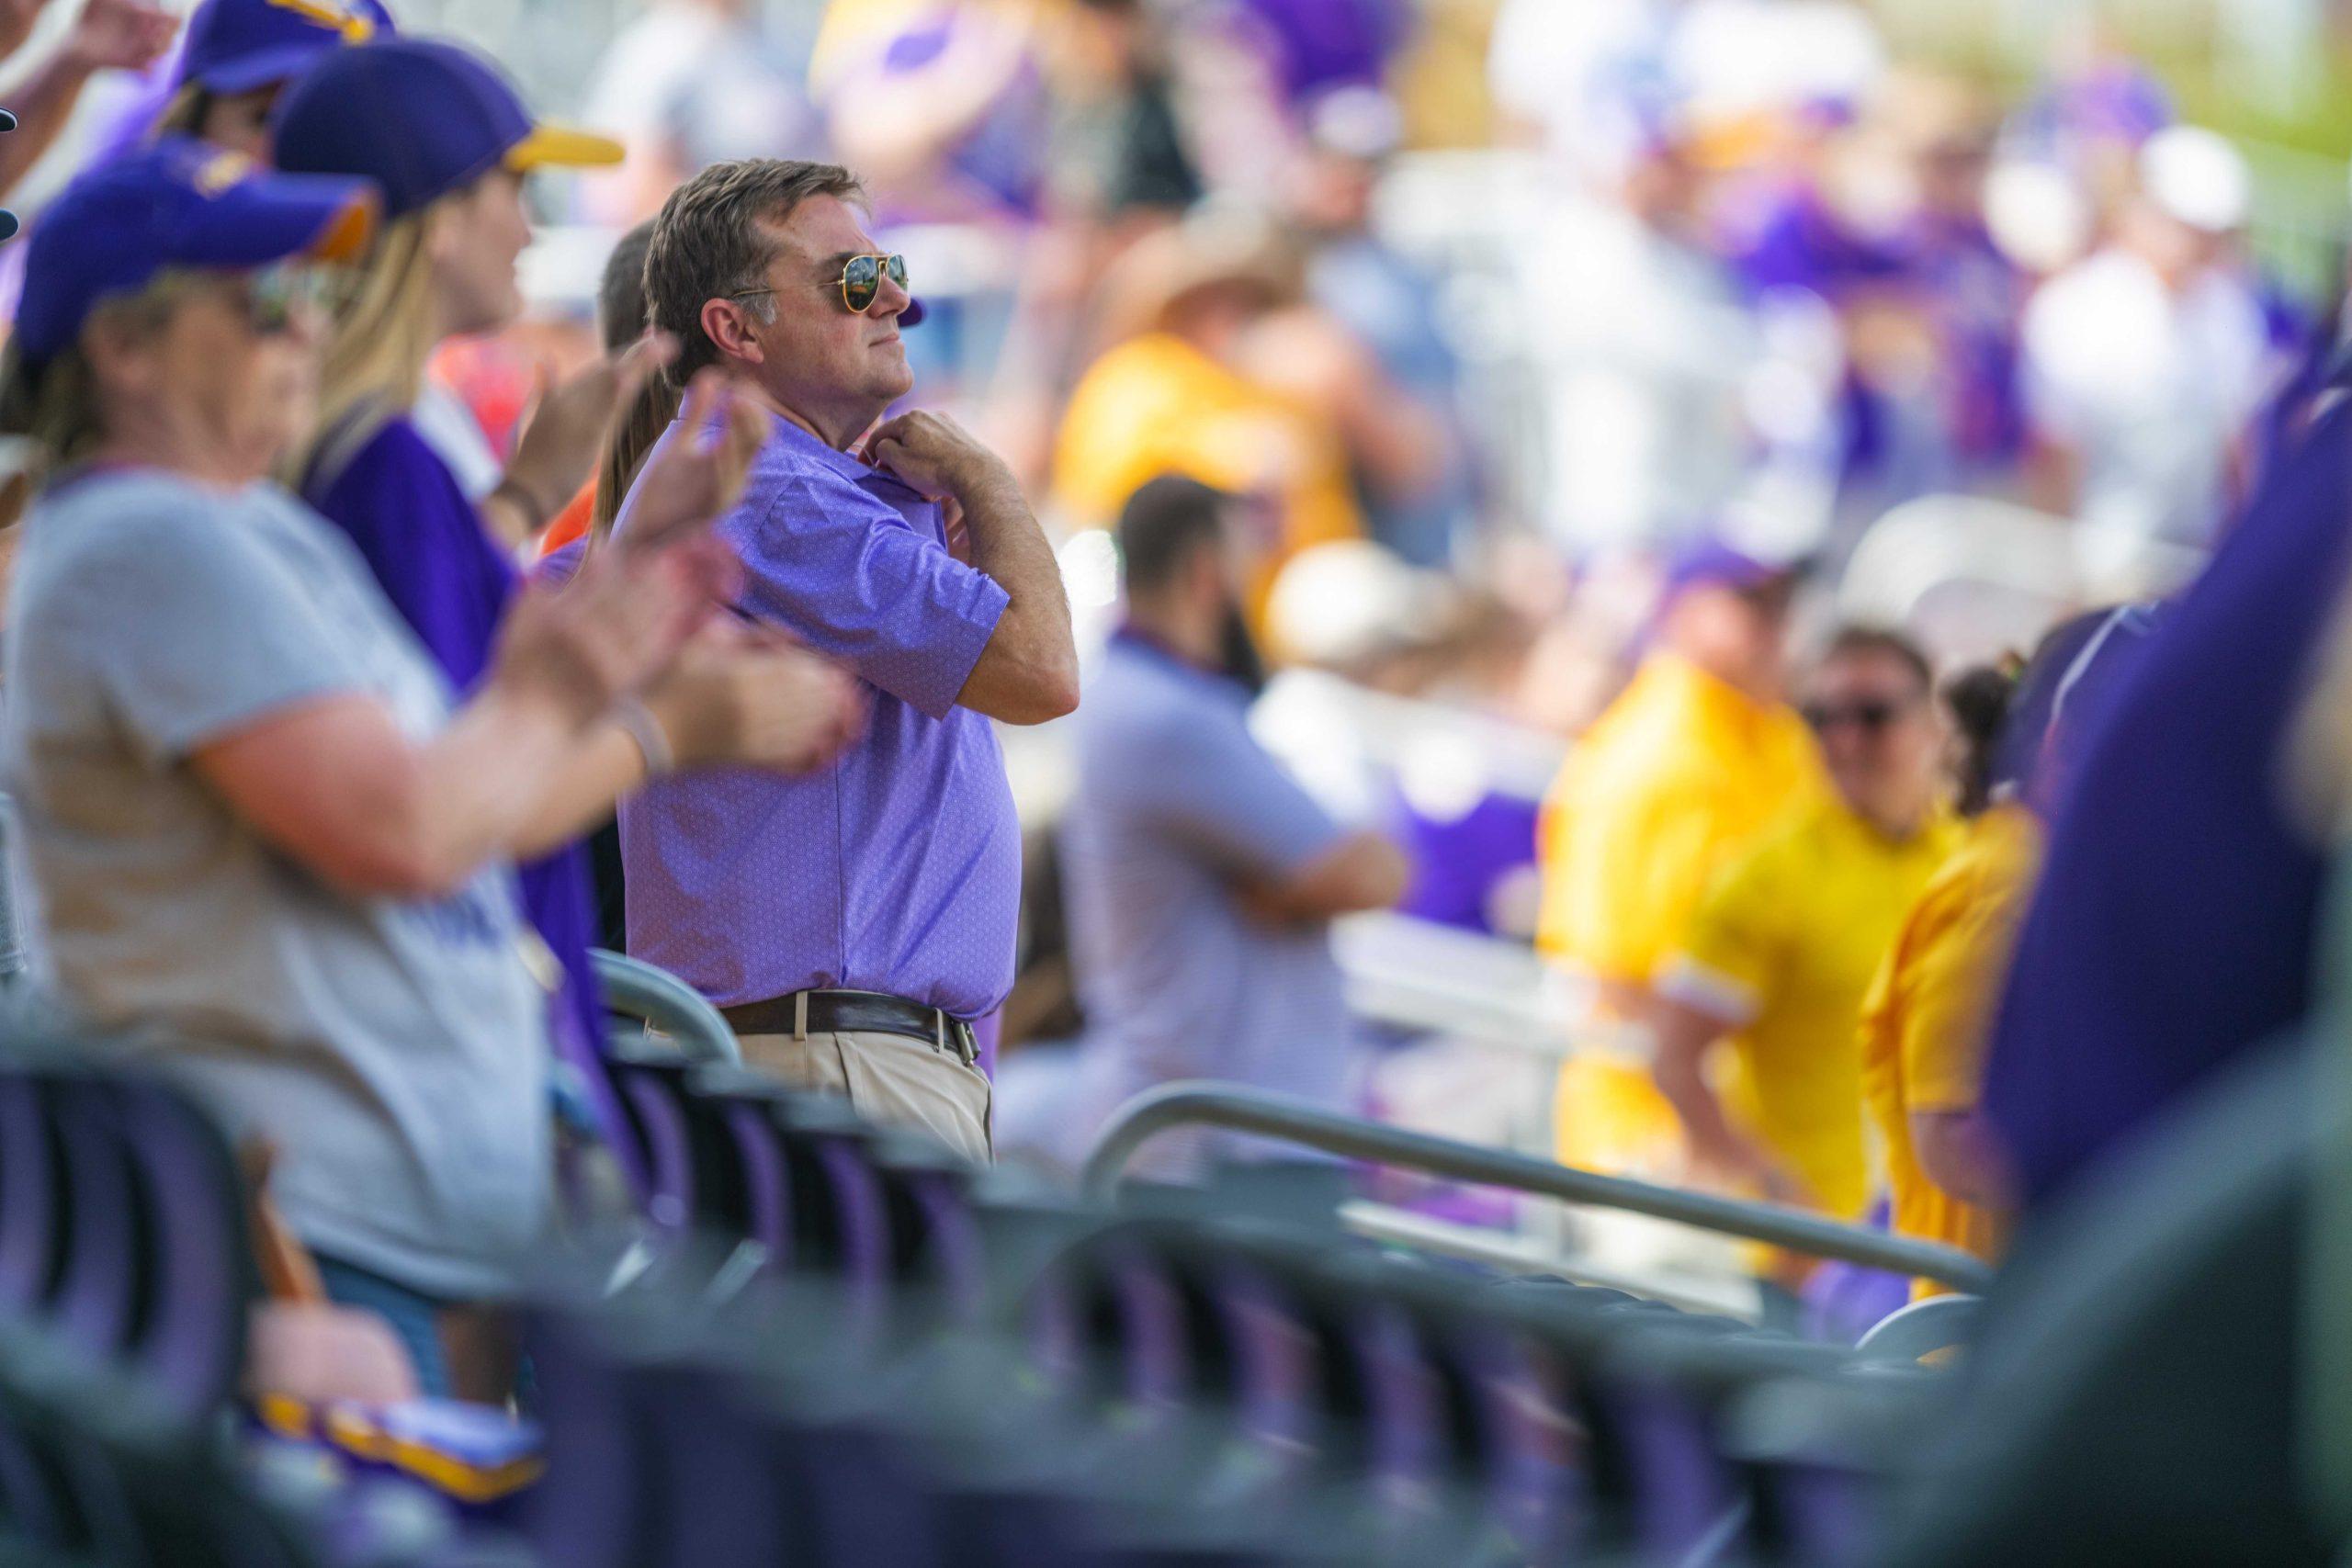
x=1298, y=1121
x=635, y=988
x=1922, y=1328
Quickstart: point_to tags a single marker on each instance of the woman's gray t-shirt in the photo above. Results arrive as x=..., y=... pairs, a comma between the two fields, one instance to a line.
x=394, y=1051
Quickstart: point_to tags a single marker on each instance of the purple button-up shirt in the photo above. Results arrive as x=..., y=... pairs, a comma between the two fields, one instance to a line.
x=897, y=870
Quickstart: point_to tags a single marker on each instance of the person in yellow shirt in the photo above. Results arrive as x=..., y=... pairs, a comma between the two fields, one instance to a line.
x=1767, y=981
x=1699, y=755
x=1176, y=392
x=1925, y=1020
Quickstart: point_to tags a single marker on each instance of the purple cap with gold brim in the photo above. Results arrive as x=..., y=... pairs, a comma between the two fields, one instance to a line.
x=421, y=119
x=181, y=203
x=238, y=46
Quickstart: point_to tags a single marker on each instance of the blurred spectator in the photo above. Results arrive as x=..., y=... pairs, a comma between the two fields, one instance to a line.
x=2173, y=927
x=2091, y=119
x=943, y=106
x=1649, y=355
x=1412, y=471
x=693, y=82
x=258, y=830
x=1121, y=152
x=1923, y=1026
x=1776, y=957
x=1971, y=294
x=2144, y=362
x=1202, y=879
x=1174, y=395
x=239, y=56
x=1699, y=756
x=853, y=926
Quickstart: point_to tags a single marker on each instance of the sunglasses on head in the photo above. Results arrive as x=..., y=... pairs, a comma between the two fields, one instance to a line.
x=861, y=281
x=1872, y=716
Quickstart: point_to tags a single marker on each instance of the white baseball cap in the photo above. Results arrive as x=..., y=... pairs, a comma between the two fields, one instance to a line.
x=2194, y=175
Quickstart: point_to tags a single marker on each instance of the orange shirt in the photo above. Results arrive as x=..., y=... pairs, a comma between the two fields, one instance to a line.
x=573, y=523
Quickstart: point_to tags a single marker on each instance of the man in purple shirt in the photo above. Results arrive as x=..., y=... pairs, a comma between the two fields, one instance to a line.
x=855, y=924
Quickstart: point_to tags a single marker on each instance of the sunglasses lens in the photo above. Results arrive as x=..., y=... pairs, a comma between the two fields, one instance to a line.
x=1871, y=719
x=897, y=265
x=861, y=281
x=274, y=294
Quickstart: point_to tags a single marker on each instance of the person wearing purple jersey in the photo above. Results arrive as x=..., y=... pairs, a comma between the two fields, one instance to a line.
x=853, y=926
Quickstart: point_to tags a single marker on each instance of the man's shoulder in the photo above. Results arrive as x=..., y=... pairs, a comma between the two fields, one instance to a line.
x=791, y=485
x=1140, y=699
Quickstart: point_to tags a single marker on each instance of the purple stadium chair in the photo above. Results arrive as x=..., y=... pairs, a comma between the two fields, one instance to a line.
x=97, y=1303
x=590, y=1509
x=670, y=1203
x=767, y=1193
x=31, y=1195
x=201, y=1279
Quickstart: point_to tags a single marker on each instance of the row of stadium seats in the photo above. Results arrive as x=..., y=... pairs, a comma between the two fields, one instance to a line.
x=830, y=1344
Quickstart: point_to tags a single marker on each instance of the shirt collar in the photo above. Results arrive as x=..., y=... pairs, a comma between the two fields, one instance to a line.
x=799, y=449
x=1133, y=639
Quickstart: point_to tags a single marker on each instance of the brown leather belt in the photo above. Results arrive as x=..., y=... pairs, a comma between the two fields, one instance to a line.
x=856, y=1013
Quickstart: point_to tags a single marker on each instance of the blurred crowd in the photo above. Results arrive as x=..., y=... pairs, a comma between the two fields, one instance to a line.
x=1714, y=535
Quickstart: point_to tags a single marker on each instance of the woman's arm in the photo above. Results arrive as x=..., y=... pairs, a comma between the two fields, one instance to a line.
x=337, y=786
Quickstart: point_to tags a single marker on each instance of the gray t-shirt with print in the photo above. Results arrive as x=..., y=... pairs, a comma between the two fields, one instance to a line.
x=394, y=1051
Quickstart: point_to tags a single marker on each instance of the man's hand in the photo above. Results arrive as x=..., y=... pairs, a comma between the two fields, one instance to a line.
x=935, y=455
x=118, y=35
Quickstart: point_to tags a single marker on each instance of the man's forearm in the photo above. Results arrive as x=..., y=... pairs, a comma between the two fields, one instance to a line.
x=43, y=105
x=1032, y=659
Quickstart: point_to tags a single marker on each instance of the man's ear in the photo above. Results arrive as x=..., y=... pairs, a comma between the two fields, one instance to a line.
x=729, y=327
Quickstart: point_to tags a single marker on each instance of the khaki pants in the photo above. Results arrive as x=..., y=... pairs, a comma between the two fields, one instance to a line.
x=886, y=1078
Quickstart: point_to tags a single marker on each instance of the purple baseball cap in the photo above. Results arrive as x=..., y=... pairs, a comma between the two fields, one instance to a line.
x=1712, y=563
x=177, y=204
x=236, y=46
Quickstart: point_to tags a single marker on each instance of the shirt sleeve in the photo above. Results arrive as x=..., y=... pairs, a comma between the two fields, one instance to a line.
x=424, y=542
x=1955, y=977
x=1209, y=784
x=200, y=629
x=844, y=571
x=1731, y=946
